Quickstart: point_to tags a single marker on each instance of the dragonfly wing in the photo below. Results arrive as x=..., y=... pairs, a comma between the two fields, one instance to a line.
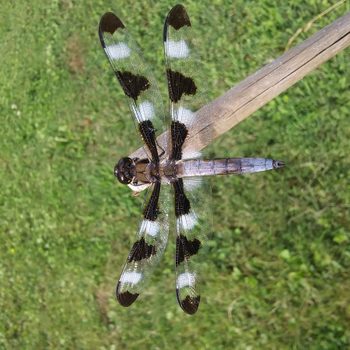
x=193, y=222
x=184, y=93
x=191, y=194
x=148, y=247
x=135, y=78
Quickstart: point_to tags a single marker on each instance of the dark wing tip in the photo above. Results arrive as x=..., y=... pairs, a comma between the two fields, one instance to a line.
x=125, y=298
x=189, y=304
x=178, y=17
x=109, y=23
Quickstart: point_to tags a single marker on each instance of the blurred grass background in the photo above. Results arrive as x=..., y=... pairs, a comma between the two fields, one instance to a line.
x=277, y=274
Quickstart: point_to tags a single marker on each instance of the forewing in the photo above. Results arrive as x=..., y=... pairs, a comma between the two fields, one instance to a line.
x=193, y=222
x=135, y=78
x=184, y=93
x=148, y=247
x=192, y=195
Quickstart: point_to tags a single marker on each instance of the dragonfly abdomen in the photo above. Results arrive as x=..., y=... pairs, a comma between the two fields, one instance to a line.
x=225, y=166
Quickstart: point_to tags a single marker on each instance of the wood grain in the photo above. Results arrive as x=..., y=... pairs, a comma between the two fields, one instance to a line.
x=255, y=91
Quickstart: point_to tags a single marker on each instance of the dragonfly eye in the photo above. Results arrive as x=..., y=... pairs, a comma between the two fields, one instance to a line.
x=124, y=170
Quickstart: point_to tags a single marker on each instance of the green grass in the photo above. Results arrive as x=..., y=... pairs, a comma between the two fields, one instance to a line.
x=277, y=274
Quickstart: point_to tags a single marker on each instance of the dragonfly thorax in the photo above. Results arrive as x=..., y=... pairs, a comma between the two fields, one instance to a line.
x=136, y=171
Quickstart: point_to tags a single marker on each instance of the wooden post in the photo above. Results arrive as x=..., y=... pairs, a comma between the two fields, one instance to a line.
x=255, y=91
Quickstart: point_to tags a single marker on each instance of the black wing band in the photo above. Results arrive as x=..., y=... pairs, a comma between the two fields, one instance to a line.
x=151, y=211
x=149, y=136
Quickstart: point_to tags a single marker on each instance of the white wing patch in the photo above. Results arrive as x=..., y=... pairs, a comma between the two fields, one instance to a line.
x=118, y=51
x=186, y=222
x=149, y=227
x=145, y=111
x=185, y=116
x=186, y=279
x=177, y=49
x=131, y=277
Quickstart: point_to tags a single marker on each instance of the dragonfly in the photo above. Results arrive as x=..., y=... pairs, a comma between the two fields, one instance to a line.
x=171, y=172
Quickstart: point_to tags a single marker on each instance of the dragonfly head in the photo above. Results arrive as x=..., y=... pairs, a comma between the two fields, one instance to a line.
x=125, y=170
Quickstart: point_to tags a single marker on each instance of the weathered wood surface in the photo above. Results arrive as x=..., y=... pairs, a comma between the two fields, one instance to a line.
x=255, y=91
